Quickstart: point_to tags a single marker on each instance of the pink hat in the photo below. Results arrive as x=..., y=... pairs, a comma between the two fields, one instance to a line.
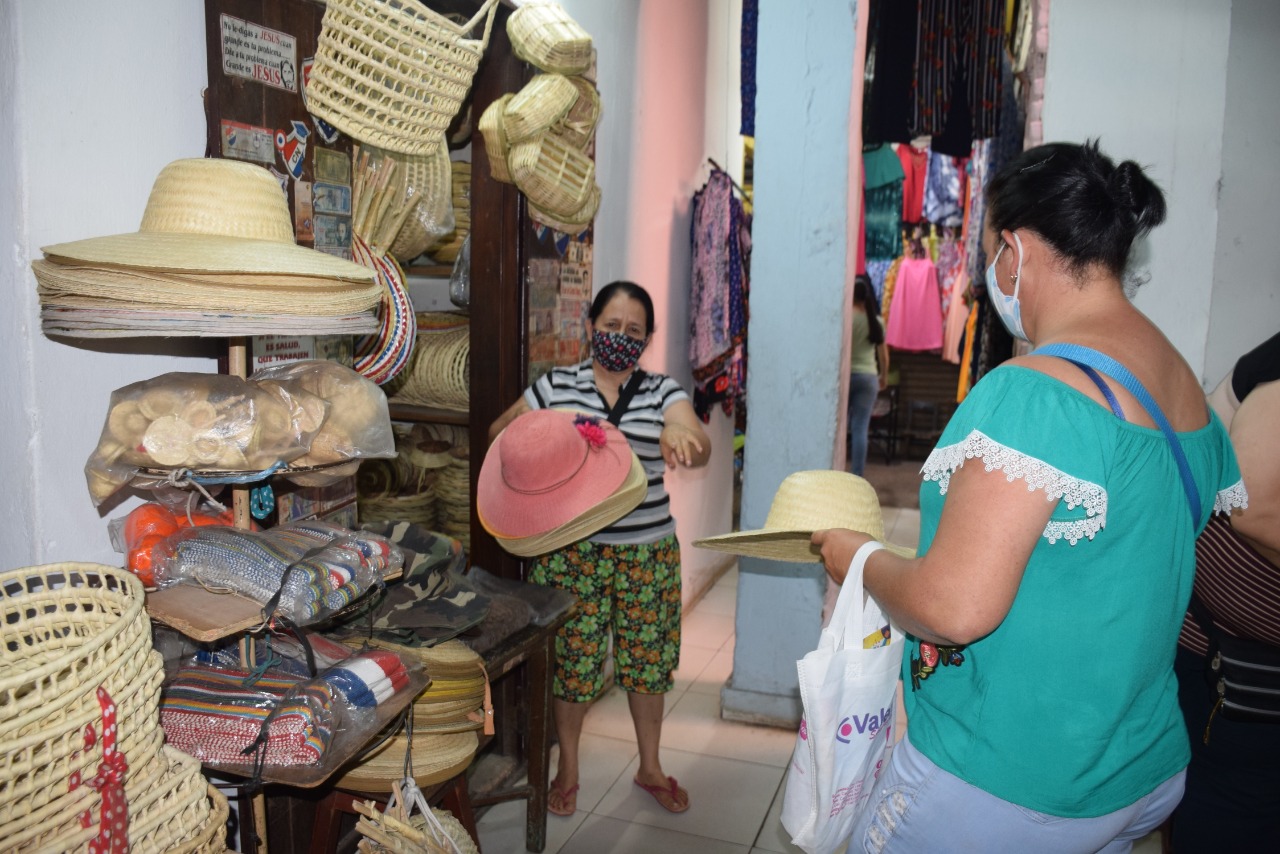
x=547, y=468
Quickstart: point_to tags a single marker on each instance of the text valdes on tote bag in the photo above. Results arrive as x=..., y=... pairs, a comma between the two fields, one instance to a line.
x=849, y=686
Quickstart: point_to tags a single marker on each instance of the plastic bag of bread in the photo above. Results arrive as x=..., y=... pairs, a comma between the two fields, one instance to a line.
x=171, y=429
x=358, y=425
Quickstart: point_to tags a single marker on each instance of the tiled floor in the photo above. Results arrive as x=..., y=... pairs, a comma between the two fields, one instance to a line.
x=734, y=772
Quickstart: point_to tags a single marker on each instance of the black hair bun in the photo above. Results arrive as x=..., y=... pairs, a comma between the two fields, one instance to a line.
x=1137, y=194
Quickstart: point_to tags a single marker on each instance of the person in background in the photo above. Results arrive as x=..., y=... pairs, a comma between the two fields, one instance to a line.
x=626, y=577
x=1232, y=802
x=868, y=369
x=1057, y=549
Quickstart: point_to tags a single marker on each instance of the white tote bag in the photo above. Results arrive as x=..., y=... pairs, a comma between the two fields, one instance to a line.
x=846, y=733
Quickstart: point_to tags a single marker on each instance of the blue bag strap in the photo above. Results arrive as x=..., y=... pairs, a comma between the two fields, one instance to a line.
x=1086, y=356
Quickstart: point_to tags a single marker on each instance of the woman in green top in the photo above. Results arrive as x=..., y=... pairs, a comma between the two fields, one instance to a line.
x=866, y=380
x=1055, y=566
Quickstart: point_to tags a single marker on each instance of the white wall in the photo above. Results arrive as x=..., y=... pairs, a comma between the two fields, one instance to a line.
x=1245, y=307
x=1149, y=77
x=96, y=99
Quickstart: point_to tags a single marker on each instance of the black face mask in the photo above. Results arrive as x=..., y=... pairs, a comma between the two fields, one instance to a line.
x=615, y=351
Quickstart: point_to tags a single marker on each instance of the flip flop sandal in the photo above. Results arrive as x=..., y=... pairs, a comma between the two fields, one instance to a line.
x=667, y=798
x=567, y=807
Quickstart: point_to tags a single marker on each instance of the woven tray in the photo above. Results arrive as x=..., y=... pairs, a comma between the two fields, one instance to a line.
x=393, y=73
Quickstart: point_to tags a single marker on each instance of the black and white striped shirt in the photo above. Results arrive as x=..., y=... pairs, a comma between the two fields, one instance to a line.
x=574, y=387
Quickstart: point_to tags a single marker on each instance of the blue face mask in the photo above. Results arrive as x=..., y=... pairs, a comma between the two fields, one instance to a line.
x=1007, y=307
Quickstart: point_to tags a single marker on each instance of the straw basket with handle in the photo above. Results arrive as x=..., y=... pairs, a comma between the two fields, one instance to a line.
x=493, y=129
x=393, y=73
x=556, y=177
x=544, y=101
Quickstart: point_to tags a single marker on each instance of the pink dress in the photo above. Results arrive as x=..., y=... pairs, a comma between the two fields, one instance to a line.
x=915, y=318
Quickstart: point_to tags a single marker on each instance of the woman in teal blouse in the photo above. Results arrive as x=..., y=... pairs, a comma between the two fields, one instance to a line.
x=1056, y=549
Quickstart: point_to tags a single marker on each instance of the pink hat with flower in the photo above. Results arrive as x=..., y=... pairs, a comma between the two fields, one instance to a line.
x=550, y=468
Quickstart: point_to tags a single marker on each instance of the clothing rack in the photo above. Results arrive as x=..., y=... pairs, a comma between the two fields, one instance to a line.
x=735, y=184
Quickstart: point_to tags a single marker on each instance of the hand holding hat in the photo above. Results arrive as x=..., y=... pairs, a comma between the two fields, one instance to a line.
x=807, y=502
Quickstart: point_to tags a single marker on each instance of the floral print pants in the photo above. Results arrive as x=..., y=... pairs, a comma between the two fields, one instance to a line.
x=629, y=592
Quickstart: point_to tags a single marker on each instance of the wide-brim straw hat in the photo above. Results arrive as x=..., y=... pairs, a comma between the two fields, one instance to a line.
x=805, y=502
x=581, y=527
x=211, y=215
x=552, y=468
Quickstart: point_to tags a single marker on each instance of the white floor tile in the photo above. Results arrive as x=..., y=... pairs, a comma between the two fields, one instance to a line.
x=716, y=673
x=601, y=762
x=728, y=799
x=610, y=716
x=694, y=725
x=693, y=660
x=601, y=835
x=502, y=829
x=709, y=631
x=719, y=600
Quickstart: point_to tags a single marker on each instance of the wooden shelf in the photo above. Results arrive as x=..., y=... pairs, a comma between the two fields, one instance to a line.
x=428, y=414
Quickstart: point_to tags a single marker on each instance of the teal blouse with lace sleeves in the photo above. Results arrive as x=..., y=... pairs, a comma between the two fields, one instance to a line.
x=1070, y=706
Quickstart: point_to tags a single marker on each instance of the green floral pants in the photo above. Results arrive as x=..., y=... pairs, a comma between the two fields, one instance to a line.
x=631, y=592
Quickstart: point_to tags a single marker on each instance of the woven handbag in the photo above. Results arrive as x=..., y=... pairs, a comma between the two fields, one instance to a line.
x=556, y=177
x=578, y=126
x=540, y=105
x=393, y=73
x=543, y=34
x=493, y=129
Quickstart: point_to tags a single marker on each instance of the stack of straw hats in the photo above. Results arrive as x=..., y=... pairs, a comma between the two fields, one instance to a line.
x=446, y=249
x=215, y=255
x=453, y=495
x=554, y=477
x=539, y=138
x=457, y=700
x=439, y=371
x=79, y=699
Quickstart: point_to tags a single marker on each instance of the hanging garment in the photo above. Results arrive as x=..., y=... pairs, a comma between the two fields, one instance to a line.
x=957, y=314
x=950, y=261
x=877, y=270
x=747, y=91
x=883, y=202
x=915, y=322
x=891, y=59
x=944, y=190
x=958, y=48
x=915, y=166
x=717, y=297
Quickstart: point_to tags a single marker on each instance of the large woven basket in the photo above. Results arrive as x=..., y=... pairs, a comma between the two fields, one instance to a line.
x=177, y=809
x=556, y=177
x=393, y=73
x=544, y=101
x=543, y=33
x=493, y=129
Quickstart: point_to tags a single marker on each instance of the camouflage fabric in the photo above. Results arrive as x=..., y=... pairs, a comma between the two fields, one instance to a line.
x=433, y=601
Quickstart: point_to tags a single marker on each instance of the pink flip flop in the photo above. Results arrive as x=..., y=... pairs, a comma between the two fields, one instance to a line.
x=669, y=798
x=566, y=806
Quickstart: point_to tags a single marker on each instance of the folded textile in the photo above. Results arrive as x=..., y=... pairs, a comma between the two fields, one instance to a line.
x=318, y=568
x=209, y=713
x=368, y=679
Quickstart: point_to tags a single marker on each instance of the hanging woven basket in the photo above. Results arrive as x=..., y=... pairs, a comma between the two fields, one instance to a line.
x=393, y=73
x=543, y=34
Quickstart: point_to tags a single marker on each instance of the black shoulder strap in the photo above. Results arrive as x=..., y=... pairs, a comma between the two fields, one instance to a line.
x=625, y=394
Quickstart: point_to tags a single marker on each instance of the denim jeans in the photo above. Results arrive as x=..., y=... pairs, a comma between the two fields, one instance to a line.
x=863, y=389
x=917, y=807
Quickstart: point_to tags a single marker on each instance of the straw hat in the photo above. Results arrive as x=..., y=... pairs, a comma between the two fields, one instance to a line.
x=805, y=502
x=554, y=477
x=211, y=216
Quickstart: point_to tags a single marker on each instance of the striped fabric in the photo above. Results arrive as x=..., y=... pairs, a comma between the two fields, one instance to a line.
x=208, y=713
x=1238, y=586
x=368, y=679
x=574, y=388
x=253, y=564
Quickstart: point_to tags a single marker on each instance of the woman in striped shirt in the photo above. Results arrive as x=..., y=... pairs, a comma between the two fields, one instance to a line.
x=627, y=576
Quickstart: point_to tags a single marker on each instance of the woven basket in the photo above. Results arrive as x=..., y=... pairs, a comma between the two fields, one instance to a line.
x=393, y=73
x=578, y=126
x=419, y=509
x=212, y=838
x=556, y=177
x=446, y=250
x=174, y=807
x=572, y=225
x=40, y=810
x=429, y=175
x=439, y=371
x=541, y=104
x=543, y=33
x=493, y=129
x=436, y=758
